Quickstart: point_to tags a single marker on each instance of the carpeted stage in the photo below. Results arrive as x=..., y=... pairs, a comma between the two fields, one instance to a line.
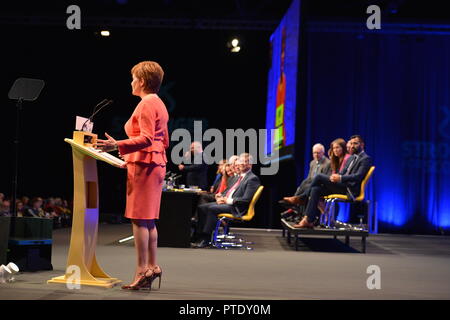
x=412, y=267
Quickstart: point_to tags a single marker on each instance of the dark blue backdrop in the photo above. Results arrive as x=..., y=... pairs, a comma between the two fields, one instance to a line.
x=393, y=89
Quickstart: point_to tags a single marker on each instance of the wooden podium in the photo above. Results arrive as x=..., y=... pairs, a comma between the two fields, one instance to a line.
x=83, y=239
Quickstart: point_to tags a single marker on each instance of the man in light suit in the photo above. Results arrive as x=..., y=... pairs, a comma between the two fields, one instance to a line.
x=347, y=182
x=235, y=200
x=319, y=164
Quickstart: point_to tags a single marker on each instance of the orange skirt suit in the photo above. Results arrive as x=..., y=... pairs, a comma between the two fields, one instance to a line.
x=145, y=155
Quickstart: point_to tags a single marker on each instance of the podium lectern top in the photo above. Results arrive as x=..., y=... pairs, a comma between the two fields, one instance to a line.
x=97, y=154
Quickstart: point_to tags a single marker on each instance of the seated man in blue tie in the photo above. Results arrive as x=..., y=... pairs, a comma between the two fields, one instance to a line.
x=235, y=200
x=346, y=182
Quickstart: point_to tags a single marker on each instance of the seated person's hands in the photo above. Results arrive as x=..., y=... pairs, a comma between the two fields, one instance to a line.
x=221, y=200
x=181, y=167
x=335, y=178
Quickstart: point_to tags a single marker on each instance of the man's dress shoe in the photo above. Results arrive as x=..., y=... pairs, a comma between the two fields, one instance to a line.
x=304, y=224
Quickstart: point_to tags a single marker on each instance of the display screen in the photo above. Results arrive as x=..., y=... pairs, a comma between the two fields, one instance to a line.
x=282, y=83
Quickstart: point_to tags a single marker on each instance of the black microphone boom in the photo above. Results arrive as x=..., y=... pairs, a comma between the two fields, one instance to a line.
x=102, y=104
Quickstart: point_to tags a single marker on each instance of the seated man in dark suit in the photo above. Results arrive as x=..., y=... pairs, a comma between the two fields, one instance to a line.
x=194, y=166
x=347, y=182
x=319, y=164
x=214, y=193
x=227, y=178
x=235, y=200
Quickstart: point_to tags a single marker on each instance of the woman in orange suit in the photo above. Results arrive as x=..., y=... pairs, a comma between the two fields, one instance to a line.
x=145, y=157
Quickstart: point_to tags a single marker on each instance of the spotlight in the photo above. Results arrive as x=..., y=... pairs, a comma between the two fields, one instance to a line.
x=13, y=267
x=105, y=33
x=5, y=274
x=234, y=45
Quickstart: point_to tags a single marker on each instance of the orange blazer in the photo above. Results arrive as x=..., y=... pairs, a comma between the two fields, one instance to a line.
x=147, y=132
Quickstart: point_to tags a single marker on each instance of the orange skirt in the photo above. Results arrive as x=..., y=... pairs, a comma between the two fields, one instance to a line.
x=144, y=189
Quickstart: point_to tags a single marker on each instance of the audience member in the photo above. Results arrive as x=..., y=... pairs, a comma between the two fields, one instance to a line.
x=319, y=165
x=218, y=178
x=194, y=166
x=235, y=200
x=228, y=171
x=346, y=182
x=338, y=155
x=26, y=202
x=20, y=208
x=36, y=208
x=349, y=148
x=57, y=209
x=5, y=210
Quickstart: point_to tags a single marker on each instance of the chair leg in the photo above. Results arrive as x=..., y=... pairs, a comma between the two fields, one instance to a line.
x=330, y=222
x=333, y=215
x=226, y=228
x=226, y=240
x=324, y=215
x=216, y=232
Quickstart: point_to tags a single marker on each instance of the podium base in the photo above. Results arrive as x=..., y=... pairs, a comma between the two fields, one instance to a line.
x=99, y=282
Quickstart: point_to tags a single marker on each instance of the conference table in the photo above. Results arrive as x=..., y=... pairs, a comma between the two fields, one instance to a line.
x=174, y=225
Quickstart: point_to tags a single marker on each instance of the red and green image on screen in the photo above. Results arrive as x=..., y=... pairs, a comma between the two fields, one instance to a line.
x=282, y=83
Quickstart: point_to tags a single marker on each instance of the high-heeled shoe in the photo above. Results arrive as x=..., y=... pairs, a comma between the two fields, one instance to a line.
x=141, y=282
x=152, y=276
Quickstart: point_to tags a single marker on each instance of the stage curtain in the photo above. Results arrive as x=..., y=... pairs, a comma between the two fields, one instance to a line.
x=393, y=89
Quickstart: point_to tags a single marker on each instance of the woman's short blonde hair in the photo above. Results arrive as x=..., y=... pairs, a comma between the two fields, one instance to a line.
x=152, y=74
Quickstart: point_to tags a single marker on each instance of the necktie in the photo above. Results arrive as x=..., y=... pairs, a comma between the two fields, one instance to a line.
x=234, y=187
x=351, y=164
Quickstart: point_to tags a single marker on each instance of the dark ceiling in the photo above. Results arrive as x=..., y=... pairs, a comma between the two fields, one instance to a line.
x=268, y=10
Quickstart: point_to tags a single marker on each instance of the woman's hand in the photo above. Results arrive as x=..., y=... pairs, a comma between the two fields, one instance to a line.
x=106, y=145
x=221, y=200
x=123, y=166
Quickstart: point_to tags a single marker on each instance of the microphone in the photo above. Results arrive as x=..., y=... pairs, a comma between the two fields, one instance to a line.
x=172, y=176
x=101, y=105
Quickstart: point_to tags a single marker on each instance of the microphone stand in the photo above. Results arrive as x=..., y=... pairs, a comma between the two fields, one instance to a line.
x=16, y=157
x=105, y=103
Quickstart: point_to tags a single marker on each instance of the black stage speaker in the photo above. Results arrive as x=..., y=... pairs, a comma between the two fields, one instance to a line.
x=30, y=243
x=4, y=236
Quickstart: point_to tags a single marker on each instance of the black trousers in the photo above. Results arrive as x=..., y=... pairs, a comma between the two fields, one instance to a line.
x=303, y=189
x=321, y=186
x=204, y=198
x=207, y=217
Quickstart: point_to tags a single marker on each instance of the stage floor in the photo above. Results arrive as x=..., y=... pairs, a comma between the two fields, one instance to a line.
x=412, y=267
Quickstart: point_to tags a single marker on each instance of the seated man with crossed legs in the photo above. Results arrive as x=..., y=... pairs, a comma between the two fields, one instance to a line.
x=347, y=182
x=235, y=200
